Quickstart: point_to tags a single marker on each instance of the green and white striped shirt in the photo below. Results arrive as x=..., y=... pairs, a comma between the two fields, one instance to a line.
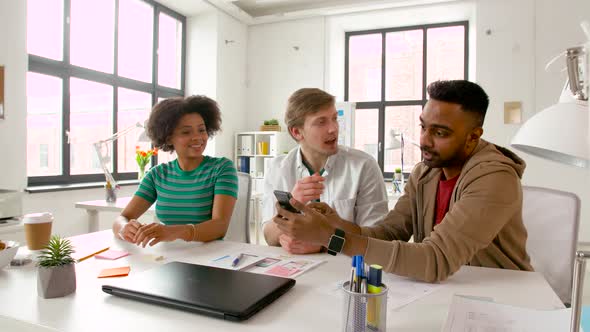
x=187, y=197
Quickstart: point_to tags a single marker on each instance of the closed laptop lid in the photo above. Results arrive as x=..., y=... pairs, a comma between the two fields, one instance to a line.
x=228, y=294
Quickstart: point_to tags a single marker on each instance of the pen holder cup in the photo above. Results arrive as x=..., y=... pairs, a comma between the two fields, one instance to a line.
x=364, y=311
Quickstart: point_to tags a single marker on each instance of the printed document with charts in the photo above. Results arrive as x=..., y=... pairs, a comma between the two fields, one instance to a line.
x=468, y=314
x=282, y=265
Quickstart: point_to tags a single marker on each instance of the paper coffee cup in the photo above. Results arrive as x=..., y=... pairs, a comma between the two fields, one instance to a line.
x=37, y=229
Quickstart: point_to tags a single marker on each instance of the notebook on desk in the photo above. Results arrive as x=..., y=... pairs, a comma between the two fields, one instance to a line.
x=226, y=294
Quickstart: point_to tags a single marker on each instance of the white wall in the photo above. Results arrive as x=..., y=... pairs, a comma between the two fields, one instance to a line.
x=201, y=67
x=505, y=62
x=217, y=69
x=231, y=81
x=13, y=127
x=282, y=57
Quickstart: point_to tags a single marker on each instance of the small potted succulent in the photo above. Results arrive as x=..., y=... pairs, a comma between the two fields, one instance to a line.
x=398, y=174
x=271, y=125
x=56, y=276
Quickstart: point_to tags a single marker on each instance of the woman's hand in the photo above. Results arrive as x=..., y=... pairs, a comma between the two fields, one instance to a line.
x=129, y=229
x=155, y=233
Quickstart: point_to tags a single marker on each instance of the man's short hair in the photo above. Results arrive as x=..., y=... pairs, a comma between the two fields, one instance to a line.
x=304, y=102
x=469, y=95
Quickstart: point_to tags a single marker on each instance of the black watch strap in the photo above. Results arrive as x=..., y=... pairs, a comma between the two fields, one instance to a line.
x=336, y=242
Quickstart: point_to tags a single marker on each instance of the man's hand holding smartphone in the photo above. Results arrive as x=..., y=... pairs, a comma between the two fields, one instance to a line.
x=283, y=197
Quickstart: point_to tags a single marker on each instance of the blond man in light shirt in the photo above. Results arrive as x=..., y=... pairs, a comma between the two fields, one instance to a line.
x=348, y=180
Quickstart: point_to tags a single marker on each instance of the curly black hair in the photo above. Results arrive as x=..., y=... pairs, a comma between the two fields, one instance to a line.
x=166, y=114
x=469, y=95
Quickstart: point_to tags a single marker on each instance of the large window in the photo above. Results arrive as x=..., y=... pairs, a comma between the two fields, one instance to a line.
x=386, y=74
x=96, y=68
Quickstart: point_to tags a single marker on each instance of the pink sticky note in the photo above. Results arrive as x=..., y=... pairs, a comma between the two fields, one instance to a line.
x=112, y=254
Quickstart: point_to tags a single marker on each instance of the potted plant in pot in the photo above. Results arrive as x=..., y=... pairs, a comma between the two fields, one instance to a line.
x=270, y=125
x=56, y=276
x=397, y=175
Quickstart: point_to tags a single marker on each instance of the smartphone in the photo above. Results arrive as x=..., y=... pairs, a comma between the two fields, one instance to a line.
x=284, y=197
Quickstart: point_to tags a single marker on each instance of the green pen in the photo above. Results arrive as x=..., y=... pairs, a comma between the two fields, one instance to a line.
x=374, y=287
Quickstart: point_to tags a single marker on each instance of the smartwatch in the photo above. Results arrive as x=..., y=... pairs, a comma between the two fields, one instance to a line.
x=336, y=242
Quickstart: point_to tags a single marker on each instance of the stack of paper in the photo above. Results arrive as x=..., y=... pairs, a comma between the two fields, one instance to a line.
x=403, y=291
x=282, y=266
x=468, y=314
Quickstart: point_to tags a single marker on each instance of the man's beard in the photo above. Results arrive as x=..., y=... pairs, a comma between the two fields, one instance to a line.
x=437, y=162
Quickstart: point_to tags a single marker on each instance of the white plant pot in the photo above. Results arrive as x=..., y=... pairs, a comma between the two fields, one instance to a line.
x=56, y=281
x=397, y=176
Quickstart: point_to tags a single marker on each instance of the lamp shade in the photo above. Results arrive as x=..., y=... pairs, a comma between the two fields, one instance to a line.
x=558, y=133
x=394, y=140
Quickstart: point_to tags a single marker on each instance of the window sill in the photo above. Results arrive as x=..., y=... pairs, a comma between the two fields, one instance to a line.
x=74, y=186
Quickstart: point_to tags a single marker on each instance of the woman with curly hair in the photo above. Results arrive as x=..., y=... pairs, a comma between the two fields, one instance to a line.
x=194, y=194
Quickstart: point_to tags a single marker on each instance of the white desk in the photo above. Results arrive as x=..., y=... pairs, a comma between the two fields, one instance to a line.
x=94, y=207
x=306, y=307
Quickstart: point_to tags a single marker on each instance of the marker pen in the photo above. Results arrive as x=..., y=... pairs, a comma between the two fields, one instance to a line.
x=374, y=287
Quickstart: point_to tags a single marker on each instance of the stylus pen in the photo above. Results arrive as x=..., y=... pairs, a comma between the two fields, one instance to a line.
x=237, y=260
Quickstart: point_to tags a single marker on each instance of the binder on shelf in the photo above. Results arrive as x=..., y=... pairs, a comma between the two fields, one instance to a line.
x=247, y=144
x=244, y=164
x=252, y=167
x=273, y=145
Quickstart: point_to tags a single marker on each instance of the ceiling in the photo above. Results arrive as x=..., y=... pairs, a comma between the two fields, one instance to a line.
x=186, y=7
x=258, y=8
x=266, y=11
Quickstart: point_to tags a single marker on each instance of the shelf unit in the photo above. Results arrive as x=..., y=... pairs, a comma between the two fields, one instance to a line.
x=248, y=154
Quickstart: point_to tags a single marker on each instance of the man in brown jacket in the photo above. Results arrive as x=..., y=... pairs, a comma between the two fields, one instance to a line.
x=462, y=203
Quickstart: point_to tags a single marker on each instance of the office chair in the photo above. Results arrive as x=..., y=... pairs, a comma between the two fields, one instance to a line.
x=239, y=225
x=551, y=218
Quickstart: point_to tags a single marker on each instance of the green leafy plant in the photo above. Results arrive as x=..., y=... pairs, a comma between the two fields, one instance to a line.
x=398, y=170
x=58, y=252
x=266, y=122
x=273, y=122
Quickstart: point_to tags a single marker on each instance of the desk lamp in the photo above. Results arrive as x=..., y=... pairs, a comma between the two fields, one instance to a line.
x=560, y=133
x=397, y=141
x=102, y=149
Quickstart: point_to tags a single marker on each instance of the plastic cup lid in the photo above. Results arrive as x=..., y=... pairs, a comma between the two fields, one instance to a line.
x=37, y=218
